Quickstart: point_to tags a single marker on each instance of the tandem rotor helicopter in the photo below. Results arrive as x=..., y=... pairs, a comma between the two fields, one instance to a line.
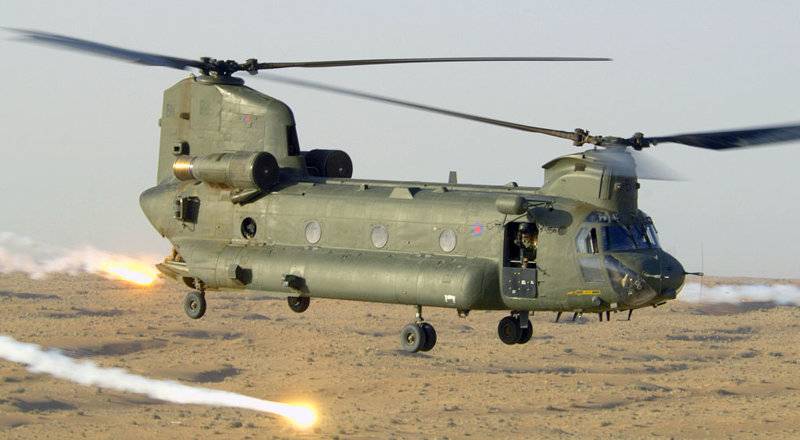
x=247, y=209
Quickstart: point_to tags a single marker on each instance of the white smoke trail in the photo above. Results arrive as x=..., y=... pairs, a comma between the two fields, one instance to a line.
x=23, y=254
x=783, y=294
x=88, y=373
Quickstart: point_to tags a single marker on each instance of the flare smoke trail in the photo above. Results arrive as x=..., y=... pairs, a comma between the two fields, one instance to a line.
x=88, y=373
x=22, y=254
x=783, y=294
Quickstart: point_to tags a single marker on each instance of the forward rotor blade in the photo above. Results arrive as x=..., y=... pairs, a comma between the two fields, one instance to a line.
x=91, y=47
x=369, y=62
x=627, y=162
x=384, y=99
x=724, y=140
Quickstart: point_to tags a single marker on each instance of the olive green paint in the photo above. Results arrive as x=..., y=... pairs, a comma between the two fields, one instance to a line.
x=202, y=116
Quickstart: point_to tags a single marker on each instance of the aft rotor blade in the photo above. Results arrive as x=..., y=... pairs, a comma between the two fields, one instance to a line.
x=725, y=140
x=378, y=61
x=384, y=99
x=91, y=47
x=252, y=66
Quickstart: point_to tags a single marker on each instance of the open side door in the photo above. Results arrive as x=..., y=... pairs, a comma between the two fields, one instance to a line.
x=519, y=260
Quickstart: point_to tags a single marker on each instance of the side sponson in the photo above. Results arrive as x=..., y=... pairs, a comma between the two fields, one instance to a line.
x=441, y=281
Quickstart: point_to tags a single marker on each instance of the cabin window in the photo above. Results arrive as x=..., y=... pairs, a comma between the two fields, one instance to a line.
x=447, y=240
x=379, y=236
x=248, y=228
x=187, y=209
x=313, y=232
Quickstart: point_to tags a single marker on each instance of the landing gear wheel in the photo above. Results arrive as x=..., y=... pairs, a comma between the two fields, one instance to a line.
x=430, y=336
x=525, y=333
x=508, y=330
x=195, y=304
x=412, y=338
x=298, y=304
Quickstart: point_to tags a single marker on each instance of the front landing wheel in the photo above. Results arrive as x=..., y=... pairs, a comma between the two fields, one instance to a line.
x=509, y=331
x=525, y=333
x=195, y=304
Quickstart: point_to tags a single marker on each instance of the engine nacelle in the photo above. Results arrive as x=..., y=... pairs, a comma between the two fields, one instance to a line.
x=329, y=163
x=240, y=170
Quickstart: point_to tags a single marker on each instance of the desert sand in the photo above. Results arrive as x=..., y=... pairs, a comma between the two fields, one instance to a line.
x=677, y=371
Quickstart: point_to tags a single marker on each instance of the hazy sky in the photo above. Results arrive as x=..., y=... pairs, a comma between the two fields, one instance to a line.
x=79, y=134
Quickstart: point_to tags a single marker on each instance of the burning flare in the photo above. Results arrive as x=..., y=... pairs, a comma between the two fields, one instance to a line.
x=22, y=254
x=88, y=373
x=302, y=416
x=125, y=269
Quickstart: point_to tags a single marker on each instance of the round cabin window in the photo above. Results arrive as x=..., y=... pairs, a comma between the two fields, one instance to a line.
x=313, y=232
x=248, y=228
x=447, y=240
x=380, y=236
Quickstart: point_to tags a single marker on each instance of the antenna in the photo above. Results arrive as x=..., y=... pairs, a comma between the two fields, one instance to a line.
x=702, y=271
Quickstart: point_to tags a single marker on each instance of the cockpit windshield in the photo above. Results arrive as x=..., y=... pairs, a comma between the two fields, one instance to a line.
x=652, y=235
x=621, y=237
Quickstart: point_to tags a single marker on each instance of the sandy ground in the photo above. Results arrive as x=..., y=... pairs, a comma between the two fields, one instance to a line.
x=678, y=371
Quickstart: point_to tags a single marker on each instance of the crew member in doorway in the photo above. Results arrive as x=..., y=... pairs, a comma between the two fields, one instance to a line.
x=526, y=241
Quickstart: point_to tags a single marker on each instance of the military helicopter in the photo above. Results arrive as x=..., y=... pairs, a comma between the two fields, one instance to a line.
x=247, y=209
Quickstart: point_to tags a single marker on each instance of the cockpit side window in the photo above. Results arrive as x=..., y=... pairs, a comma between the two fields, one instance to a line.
x=588, y=260
x=586, y=241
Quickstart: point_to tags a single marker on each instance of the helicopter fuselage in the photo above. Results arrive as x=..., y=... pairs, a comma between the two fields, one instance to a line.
x=412, y=243
x=246, y=209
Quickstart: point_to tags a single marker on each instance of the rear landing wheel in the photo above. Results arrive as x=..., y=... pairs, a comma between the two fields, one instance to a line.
x=195, y=304
x=412, y=338
x=298, y=304
x=430, y=336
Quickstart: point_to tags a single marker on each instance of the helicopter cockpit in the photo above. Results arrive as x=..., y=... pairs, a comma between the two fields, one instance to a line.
x=639, y=233
x=628, y=255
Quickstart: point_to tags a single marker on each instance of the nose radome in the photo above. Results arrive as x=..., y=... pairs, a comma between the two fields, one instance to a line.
x=672, y=276
x=650, y=268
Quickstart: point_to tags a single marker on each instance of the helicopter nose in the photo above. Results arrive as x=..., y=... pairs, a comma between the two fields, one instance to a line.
x=664, y=273
x=672, y=276
x=647, y=276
